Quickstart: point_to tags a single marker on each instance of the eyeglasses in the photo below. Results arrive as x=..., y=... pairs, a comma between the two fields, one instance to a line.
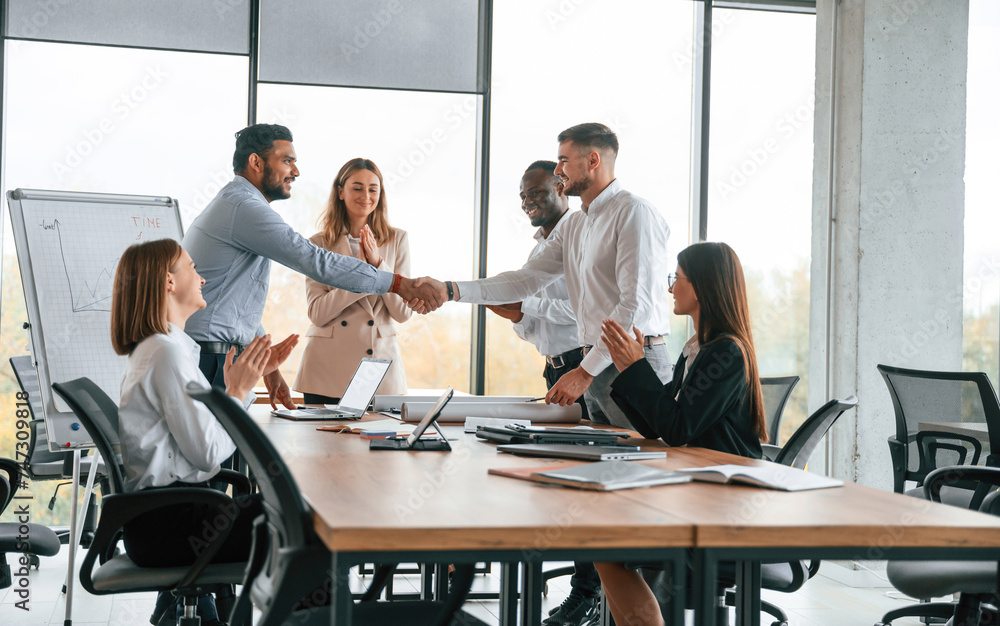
x=672, y=280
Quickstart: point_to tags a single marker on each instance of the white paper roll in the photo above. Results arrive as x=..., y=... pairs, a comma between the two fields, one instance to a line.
x=395, y=403
x=537, y=412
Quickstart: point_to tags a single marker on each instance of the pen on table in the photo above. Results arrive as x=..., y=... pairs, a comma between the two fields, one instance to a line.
x=536, y=399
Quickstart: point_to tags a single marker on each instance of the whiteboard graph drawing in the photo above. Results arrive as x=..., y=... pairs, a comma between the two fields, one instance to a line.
x=86, y=295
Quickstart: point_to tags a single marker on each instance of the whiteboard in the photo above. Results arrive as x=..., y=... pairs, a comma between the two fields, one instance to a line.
x=68, y=245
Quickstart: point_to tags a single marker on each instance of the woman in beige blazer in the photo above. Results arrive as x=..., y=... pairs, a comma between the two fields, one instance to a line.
x=345, y=327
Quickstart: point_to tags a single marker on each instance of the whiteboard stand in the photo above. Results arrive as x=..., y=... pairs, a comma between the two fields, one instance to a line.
x=76, y=524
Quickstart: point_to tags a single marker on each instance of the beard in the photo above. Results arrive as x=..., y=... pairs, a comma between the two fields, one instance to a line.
x=577, y=187
x=272, y=185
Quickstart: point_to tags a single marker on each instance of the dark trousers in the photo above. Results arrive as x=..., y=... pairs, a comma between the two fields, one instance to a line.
x=211, y=366
x=176, y=535
x=585, y=579
x=315, y=398
x=552, y=374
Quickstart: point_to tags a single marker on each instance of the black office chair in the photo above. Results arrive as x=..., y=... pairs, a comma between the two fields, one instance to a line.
x=117, y=573
x=288, y=560
x=776, y=391
x=975, y=581
x=37, y=541
x=790, y=576
x=929, y=396
x=45, y=465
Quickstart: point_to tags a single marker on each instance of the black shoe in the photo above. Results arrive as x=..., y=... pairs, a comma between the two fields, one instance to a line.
x=576, y=610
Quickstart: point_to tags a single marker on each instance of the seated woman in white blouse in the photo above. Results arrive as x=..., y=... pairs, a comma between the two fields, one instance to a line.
x=168, y=439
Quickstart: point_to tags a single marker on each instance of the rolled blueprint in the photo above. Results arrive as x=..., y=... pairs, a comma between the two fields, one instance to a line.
x=537, y=412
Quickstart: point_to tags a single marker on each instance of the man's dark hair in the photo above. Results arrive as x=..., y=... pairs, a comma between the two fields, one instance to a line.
x=548, y=166
x=257, y=139
x=591, y=135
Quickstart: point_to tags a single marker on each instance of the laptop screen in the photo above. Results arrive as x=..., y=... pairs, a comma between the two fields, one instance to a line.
x=364, y=384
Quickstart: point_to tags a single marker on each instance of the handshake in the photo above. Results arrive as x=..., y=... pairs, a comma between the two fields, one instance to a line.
x=425, y=294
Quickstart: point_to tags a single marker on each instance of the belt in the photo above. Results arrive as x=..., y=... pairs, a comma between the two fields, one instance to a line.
x=220, y=347
x=647, y=341
x=560, y=361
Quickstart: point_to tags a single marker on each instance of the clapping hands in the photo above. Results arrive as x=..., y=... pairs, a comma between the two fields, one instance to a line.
x=624, y=349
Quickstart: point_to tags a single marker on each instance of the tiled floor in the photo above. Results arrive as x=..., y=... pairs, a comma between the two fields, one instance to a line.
x=822, y=602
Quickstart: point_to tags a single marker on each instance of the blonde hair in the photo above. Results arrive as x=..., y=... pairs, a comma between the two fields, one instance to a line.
x=335, y=221
x=139, y=297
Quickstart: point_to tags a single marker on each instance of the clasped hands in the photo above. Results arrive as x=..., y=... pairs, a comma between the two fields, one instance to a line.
x=368, y=248
x=425, y=294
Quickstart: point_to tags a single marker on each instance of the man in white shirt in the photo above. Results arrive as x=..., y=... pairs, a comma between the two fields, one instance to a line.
x=546, y=320
x=613, y=255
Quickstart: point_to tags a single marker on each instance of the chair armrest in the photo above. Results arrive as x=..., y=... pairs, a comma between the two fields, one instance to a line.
x=987, y=477
x=898, y=453
x=928, y=439
x=13, y=471
x=239, y=482
x=119, y=509
x=770, y=450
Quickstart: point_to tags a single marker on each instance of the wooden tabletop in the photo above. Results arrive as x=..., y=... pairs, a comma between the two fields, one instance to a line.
x=400, y=500
x=397, y=500
x=848, y=516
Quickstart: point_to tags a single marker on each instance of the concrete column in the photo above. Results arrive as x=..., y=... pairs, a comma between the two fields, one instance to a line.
x=888, y=233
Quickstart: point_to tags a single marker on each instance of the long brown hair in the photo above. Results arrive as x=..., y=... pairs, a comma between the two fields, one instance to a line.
x=334, y=221
x=139, y=297
x=716, y=275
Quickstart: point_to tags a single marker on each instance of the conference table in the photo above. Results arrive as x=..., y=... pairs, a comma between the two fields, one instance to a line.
x=402, y=506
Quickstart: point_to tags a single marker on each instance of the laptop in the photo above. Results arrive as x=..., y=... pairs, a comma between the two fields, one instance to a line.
x=413, y=440
x=583, y=452
x=531, y=434
x=356, y=398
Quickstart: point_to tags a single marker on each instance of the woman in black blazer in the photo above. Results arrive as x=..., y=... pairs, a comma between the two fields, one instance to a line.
x=714, y=400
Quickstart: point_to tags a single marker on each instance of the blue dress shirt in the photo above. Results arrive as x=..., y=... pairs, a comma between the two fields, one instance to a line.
x=233, y=242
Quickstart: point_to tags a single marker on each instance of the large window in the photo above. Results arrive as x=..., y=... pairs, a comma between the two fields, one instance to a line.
x=559, y=65
x=90, y=118
x=981, y=287
x=425, y=145
x=760, y=178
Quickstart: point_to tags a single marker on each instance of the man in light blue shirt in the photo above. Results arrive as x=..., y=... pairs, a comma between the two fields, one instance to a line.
x=237, y=236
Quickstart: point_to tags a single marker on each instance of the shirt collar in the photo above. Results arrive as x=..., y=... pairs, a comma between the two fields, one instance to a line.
x=604, y=198
x=177, y=334
x=541, y=237
x=691, y=347
x=240, y=180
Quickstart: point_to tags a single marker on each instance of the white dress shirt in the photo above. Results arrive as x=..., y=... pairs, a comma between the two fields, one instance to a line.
x=614, y=258
x=166, y=436
x=548, y=322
